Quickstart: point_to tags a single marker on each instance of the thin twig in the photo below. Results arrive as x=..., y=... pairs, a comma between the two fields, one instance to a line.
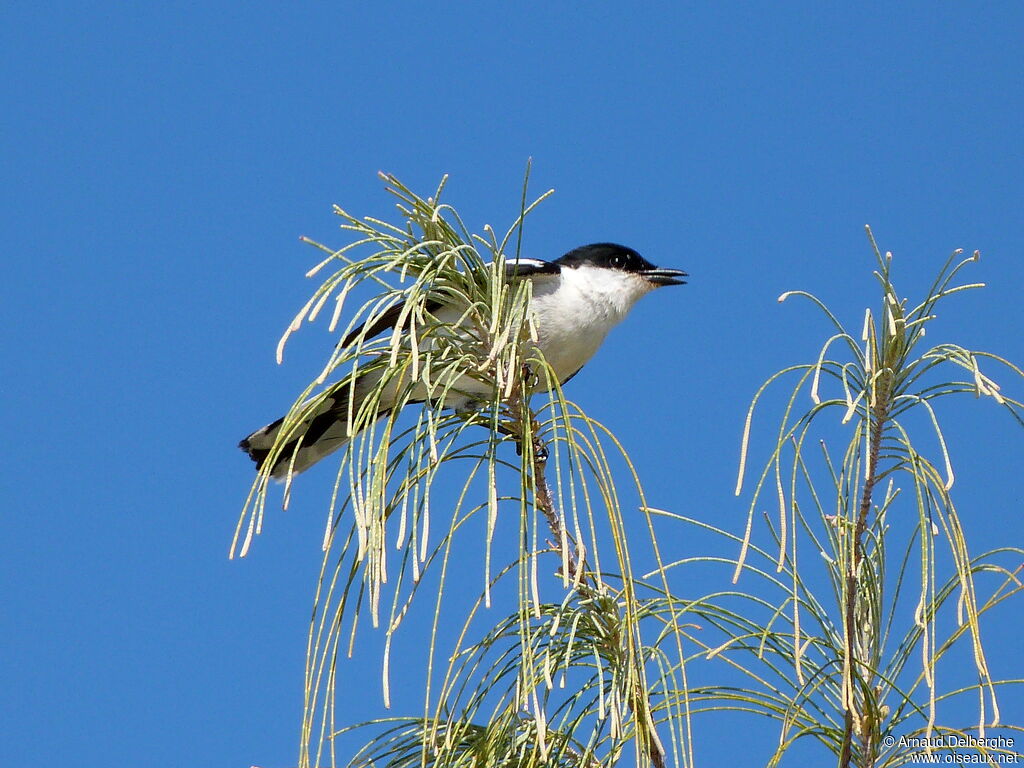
x=879, y=415
x=584, y=582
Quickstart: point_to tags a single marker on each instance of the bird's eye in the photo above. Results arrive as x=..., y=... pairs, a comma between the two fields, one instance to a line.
x=618, y=262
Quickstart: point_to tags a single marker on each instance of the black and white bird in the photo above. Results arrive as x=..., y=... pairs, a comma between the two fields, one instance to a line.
x=577, y=299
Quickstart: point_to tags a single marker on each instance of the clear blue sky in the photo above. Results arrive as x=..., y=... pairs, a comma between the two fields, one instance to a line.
x=160, y=161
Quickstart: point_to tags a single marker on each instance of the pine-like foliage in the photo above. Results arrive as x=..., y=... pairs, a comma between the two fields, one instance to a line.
x=567, y=656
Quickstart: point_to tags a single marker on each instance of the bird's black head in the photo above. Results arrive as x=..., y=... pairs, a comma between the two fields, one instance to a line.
x=621, y=258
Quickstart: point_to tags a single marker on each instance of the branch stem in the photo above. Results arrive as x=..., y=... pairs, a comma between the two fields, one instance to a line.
x=585, y=583
x=879, y=416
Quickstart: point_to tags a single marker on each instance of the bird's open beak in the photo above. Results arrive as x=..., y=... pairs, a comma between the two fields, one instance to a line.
x=665, y=276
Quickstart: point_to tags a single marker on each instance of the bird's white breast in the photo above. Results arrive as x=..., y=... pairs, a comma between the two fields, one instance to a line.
x=576, y=309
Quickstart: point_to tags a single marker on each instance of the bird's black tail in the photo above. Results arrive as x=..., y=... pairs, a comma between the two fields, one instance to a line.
x=323, y=431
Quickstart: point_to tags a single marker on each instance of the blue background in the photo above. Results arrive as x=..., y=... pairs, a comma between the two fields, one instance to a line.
x=160, y=161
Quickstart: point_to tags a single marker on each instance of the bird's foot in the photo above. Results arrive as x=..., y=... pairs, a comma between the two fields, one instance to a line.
x=530, y=377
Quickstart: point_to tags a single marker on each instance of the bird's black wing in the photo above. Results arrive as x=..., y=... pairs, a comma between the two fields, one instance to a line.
x=387, y=319
x=385, y=322
x=530, y=267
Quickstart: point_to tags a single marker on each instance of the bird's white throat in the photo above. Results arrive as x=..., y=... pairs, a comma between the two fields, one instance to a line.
x=575, y=312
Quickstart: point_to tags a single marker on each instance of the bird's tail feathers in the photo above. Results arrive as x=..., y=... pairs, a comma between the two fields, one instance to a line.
x=318, y=434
